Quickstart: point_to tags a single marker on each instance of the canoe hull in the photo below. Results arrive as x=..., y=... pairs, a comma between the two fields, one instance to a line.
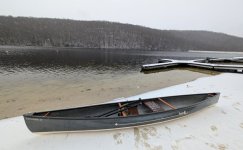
x=43, y=124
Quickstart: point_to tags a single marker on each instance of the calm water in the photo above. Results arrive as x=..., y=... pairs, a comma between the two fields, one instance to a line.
x=20, y=64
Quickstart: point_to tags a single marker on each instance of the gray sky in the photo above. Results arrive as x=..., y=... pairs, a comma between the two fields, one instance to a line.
x=214, y=15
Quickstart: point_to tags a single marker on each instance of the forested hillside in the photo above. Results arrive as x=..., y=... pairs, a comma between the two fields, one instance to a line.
x=26, y=31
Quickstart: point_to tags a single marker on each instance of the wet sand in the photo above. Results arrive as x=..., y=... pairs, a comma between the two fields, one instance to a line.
x=56, y=94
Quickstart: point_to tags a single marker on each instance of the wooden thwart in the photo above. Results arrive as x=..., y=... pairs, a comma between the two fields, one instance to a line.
x=166, y=103
x=123, y=112
x=46, y=114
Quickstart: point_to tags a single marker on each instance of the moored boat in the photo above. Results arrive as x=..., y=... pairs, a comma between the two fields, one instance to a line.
x=119, y=114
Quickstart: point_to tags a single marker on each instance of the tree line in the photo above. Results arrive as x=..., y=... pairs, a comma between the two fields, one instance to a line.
x=28, y=31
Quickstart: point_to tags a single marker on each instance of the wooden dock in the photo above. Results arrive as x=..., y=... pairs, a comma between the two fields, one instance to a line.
x=208, y=63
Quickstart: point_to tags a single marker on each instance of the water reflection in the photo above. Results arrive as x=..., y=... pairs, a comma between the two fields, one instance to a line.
x=52, y=60
x=18, y=66
x=64, y=62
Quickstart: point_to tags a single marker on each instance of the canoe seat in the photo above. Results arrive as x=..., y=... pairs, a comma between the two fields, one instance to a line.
x=132, y=111
x=153, y=106
x=166, y=103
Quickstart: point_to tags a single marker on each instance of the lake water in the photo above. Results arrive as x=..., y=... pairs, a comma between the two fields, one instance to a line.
x=34, y=79
x=20, y=64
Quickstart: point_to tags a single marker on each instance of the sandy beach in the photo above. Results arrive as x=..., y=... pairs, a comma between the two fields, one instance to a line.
x=217, y=127
x=54, y=94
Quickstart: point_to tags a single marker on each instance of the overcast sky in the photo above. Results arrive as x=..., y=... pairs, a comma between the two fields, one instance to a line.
x=214, y=15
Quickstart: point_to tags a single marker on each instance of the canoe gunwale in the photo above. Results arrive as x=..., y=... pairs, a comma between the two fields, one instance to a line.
x=30, y=115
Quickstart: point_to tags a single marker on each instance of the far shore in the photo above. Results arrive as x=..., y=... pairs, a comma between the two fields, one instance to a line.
x=73, y=47
x=62, y=47
x=219, y=52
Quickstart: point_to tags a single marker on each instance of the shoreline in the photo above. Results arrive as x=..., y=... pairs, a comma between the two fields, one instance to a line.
x=56, y=94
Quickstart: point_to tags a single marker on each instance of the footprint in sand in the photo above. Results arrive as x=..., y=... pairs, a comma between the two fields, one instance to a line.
x=241, y=125
x=118, y=138
x=236, y=106
x=214, y=128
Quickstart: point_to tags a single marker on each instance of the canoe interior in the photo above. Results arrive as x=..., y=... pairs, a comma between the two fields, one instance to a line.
x=139, y=107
